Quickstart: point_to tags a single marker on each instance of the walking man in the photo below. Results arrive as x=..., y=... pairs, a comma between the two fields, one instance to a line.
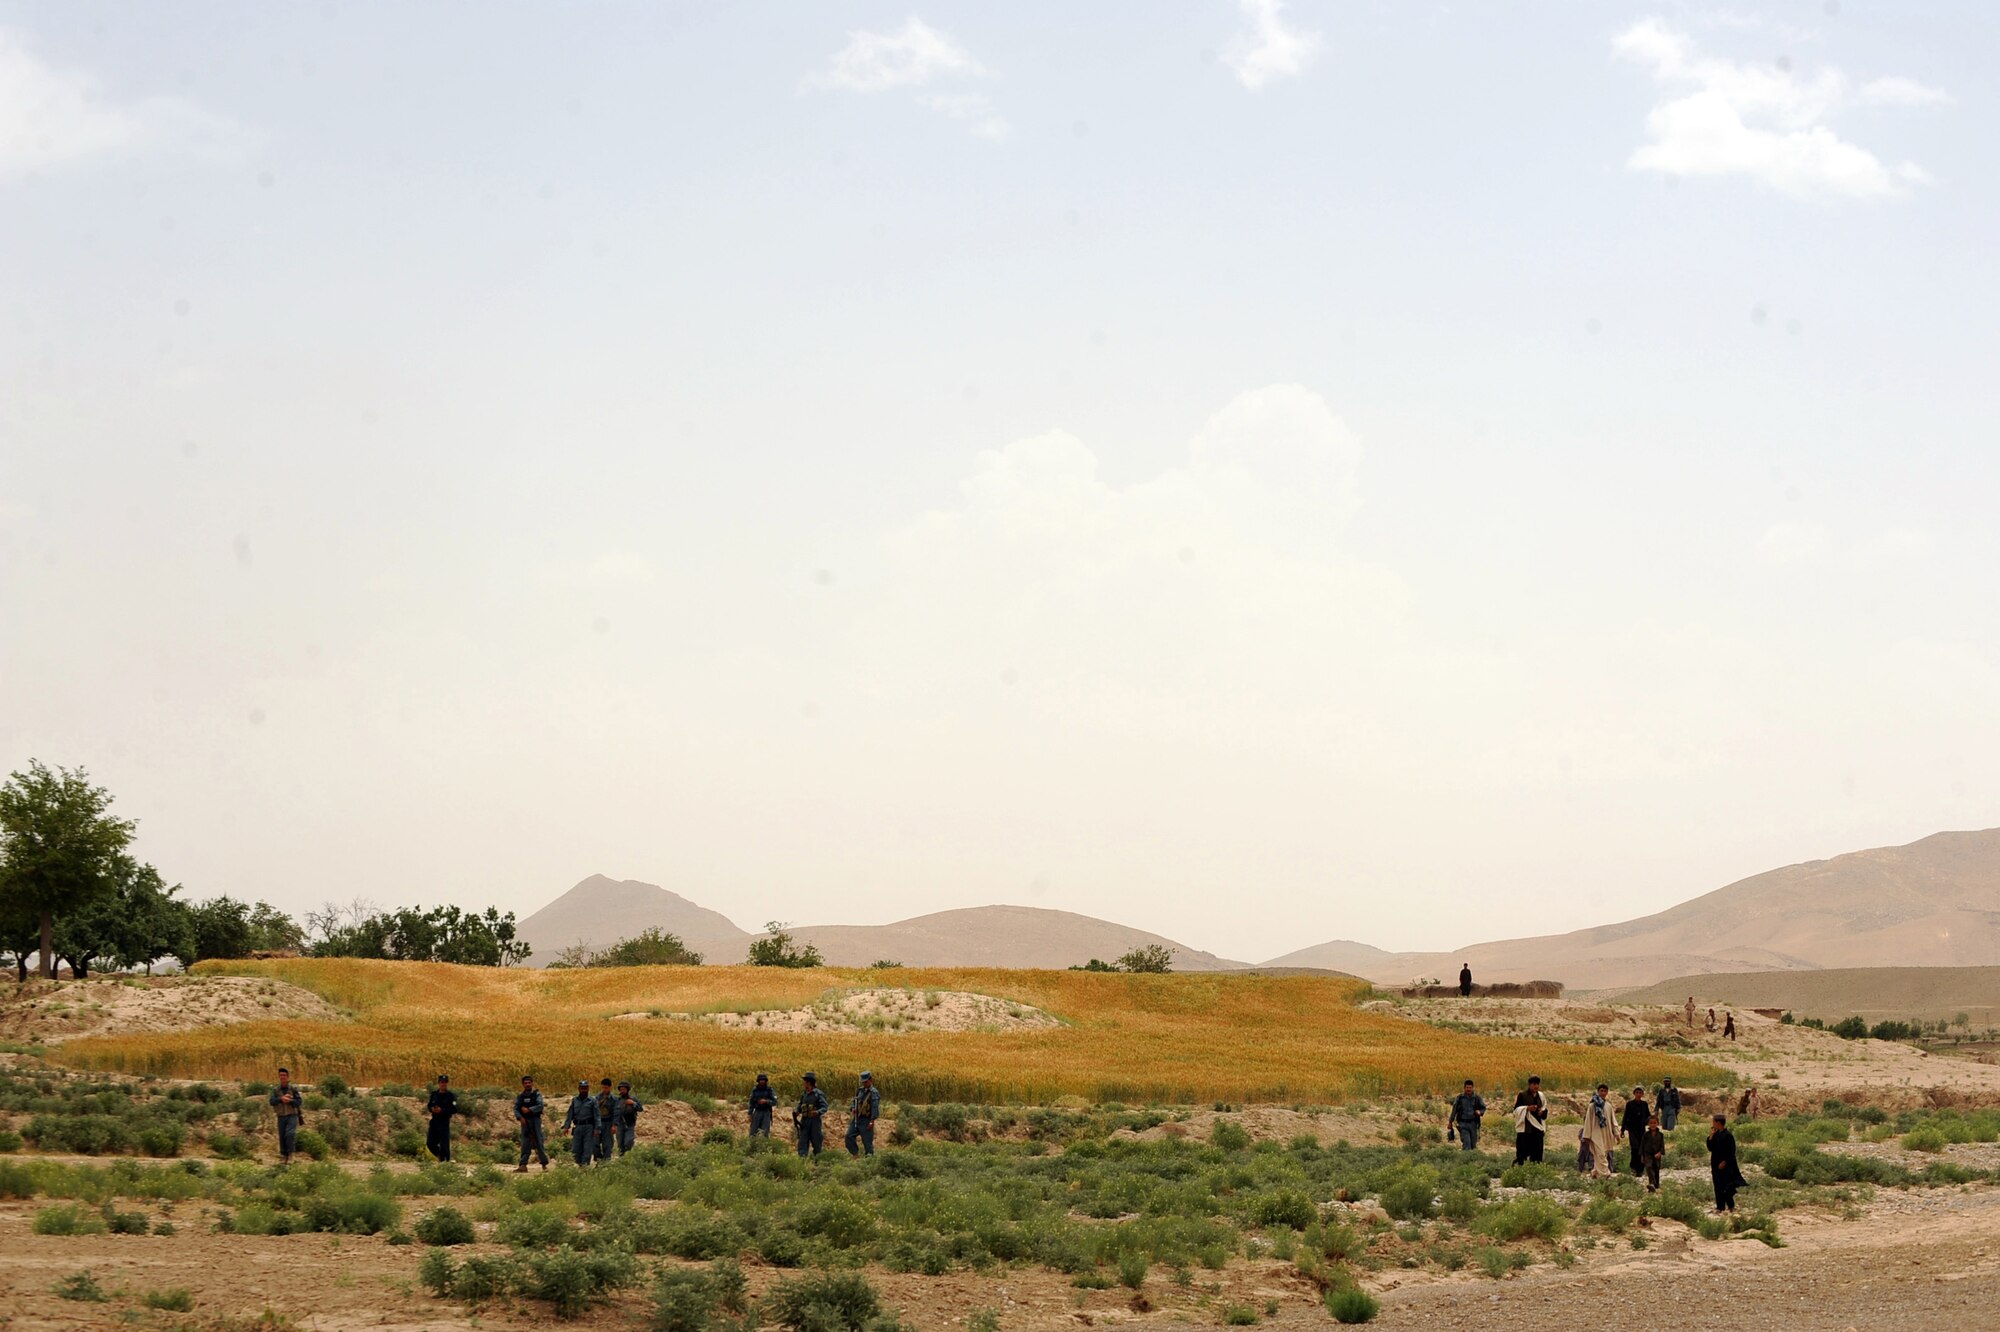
x=1690, y=1012
x=1598, y=1135
x=1466, y=1110
x=1531, y=1122
x=607, y=1121
x=1465, y=981
x=1722, y=1165
x=628, y=1118
x=1668, y=1103
x=1729, y=1025
x=443, y=1105
x=809, y=1116
x=1633, y=1123
x=862, y=1112
x=581, y=1124
x=763, y=1101
x=285, y=1100
x=529, y=1107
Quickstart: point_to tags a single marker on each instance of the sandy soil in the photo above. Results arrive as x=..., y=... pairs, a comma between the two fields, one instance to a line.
x=59, y=1010
x=1794, y=1067
x=891, y=1011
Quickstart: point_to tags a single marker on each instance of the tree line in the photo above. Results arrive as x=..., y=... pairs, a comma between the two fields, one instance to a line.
x=71, y=892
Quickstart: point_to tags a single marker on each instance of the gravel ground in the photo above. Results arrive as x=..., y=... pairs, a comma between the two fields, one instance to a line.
x=1926, y=1259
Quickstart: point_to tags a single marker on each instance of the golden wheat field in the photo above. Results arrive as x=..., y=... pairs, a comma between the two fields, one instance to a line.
x=1180, y=1038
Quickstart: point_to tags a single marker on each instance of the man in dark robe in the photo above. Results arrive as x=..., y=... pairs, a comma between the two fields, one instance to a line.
x=1633, y=1124
x=1465, y=981
x=1722, y=1166
x=1531, y=1122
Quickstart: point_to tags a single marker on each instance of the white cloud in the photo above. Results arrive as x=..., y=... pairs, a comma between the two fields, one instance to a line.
x=1731, y=118
x=1902, y=92
x=912, y=56
x=50, y=117
x=1791, y=543
x=976, y=108
x=1269, y=49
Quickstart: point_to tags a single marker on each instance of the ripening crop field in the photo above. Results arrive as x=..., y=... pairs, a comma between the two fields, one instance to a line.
x=1180, y=1038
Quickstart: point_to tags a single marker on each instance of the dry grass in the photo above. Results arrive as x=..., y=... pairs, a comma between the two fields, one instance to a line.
x=1176, y=1038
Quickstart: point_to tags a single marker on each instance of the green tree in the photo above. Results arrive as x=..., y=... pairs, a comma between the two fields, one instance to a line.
x=1153, y=958
x=59, y=846
x=224, y=927
x=776, y=949
x=441, y=934
x=651, y=947
x=130, y=926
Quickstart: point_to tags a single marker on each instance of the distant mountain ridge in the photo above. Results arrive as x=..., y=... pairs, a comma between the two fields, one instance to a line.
x=1934, y=902
x=600, y=911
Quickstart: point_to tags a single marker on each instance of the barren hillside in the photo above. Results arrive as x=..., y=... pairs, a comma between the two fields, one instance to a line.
x=1933, y=903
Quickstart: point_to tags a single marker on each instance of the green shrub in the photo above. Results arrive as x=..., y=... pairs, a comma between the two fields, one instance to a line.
x=684, y=1300
x=445, y=1226
x=1239, y=1315
x=1229, y=1135
x=572, y=1281
x=311, y=1144
x=718, y=1136
x=1609, y=1213
x=177, y=1300
x=67, y=1219
x=80, y=1286
x=541, y=1226
x=369, y=1213
x=1351, y=1304
x=10, y=1141
x=1286, y=1207
x=333, y=1085
x=438, y=1274
x=160, y=1139
x=1132, y=1265
x=1924, y=1140
x=782, y=1248
x=228, y=1146
x=16, y=1181
x=406, y=1142
x=124, y=1223
x=1411, y=1193
x=823, y=1302
x=163, y=1227
x=1529, y=1217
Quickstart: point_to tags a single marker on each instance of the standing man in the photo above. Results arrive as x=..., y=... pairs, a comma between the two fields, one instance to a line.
x=285, y=1100
x=1729, y=1025
x=1690, y=1012
x=862, y=1112
x=1531, y=1122
x=528, y=1109
x=581, y=1124
x=443, y=1105
x=1722, y=1165
x=628, y=1118
x=1598, y=1135
x=1668, y=1103
x=1465, y=981
x=607, y=1121
x=1466, y=1110
x=763, y=1101
x=809, y=1116
x=1633, y=1124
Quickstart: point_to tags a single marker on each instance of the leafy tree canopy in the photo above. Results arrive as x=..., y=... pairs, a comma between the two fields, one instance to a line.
x=777, y=949
x=60, y=847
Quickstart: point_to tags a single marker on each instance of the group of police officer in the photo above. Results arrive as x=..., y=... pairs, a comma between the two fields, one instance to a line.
x=809, y=1114
x=596, y=1122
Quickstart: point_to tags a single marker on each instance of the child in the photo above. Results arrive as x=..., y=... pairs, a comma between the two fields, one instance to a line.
x=1653, y=1153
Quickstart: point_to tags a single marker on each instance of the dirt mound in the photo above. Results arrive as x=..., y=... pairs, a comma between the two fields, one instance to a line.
x=889, y=1011
x=110, y=1006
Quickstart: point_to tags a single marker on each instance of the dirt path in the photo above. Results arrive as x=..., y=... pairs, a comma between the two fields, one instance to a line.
x=1917, y=1260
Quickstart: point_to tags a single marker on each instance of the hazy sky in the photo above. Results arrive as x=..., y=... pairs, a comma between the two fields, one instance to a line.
x=1404, y=472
